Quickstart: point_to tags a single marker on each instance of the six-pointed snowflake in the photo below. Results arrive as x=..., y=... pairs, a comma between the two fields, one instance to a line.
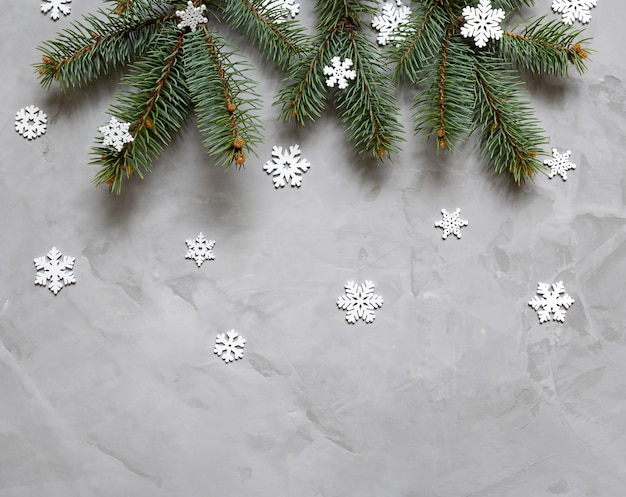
x=288, y=6
x=51, y=268
x=559, y=164
x=30, y=122
x=451, y=223
x=229, y=346
x=339, y=73
x=574, y=10
x=56, y=7
x=200, y=249
x=286, y=166
x=359, y=301
x=482, y=23
x=116, y=134
x=191, y=16
x=553, y=303
x=391, y=23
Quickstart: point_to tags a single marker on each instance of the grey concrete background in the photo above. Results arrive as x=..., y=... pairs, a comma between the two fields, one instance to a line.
x=111, y=388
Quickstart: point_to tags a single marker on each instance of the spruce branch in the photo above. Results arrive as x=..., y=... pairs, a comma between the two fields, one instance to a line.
x=172, y=71
x=366, y=105
x=464, y=87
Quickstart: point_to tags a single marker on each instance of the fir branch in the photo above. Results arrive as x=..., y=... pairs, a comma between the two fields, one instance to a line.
x=366, y=106
x=547, y=48
x=509, y=134
x=156, y=109
x=420, y=48
x=446, y=107
x=90, y=49
x=278, y=41
x=223, y=97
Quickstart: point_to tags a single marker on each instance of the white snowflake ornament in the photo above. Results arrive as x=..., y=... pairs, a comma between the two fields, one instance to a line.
x=287, y=6
x=200, y=249
x=574, y=10
x=116, y=134
x=56, y=8
x=286, y=166
x=552, y=304
x=339, y=73
x=482, y=23
x=559, y=164
x=51, y=268
x=391, y=23
x=451, y=223
x=30, y=122
x=191, y=16
x=229, y=346
x=359, y=301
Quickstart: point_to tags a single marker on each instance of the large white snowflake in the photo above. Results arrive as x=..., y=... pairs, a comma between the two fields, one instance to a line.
x=482, y=23
x=191, y=16
x=55, y=270
x=229, y=346
x=288, y=6
x=574, y=10
x=200, y=249
x=30, y=122
x=339, y=73
x=56, y=7
x=116, y=134
x=559, y=164
x=553, y=303
x=359, y=301
x=391, y=23
x=451, y=223
x=286, y=166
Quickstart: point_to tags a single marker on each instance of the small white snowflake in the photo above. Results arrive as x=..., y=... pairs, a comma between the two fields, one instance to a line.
x=339, y=73
x=55, y=270
x=391, y=23
x=57, y=7
x=451, y=223
x=288, y=6
x=286, y=166
x=482, y=23
x=116, y=134
x=574, y=10
x=30, y=122
x=229, y=346
x=191, y=16
x=559, y=164
x=553, y=303
x=359, y=301
x=200, y=249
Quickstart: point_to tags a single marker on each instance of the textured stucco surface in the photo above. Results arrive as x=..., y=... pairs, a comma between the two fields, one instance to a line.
x=111, y=389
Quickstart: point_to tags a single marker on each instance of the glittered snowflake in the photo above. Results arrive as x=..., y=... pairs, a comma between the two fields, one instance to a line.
x=359, y=301
x=116, y=134
x=451, y=223
x=191, y=16
x=482, y=23
x=391, y=23
x=56, y=7
x=287, y=6
x=51, y=268
x=551, y=304
x=30, y=122
x=339, y=73
x=229, y=346
x=559, y=164
x=286, y=166
x=574, y=10
x=200, y=249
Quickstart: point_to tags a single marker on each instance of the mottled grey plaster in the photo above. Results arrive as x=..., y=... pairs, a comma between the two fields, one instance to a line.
x=111, y=389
